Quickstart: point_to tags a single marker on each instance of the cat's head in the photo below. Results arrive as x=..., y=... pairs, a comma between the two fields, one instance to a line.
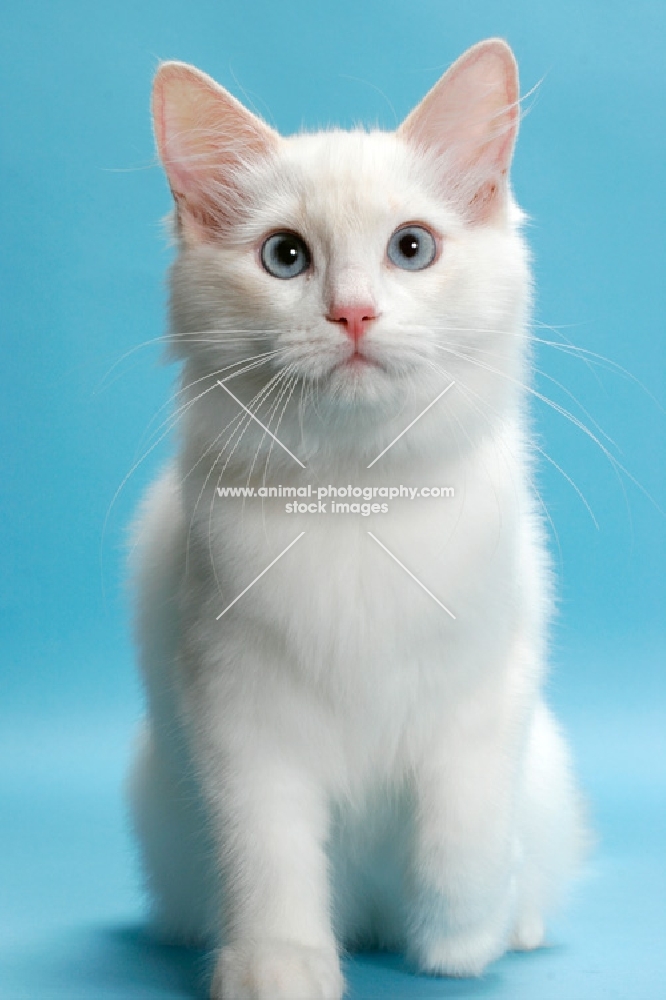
x=368, y=265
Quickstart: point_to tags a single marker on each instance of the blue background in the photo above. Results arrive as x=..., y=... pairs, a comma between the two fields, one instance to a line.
x=82, y=290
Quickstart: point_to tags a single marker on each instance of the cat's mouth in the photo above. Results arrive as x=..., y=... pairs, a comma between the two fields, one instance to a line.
x=356, y=362
x=359, y=378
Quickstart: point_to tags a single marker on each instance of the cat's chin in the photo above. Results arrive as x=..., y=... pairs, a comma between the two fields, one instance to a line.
x=359, y=381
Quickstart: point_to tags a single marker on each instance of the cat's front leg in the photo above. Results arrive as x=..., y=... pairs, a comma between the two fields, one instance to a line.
x=270, y=819
x=462, y=872
x=279, y=942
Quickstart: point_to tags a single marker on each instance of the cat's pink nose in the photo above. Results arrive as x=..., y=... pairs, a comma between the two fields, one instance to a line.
x=353, y=319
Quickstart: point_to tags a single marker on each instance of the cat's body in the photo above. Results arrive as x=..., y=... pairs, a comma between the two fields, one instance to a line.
x=335, y=757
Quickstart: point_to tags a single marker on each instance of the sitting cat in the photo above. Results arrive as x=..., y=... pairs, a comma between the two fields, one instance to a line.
x=346, y=740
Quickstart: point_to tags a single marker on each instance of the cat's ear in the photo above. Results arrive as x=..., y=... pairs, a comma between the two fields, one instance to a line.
x=204, y=138
x=469, y=121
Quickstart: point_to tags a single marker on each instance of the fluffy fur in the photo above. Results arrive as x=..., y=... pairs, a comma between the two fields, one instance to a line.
x=337, y=761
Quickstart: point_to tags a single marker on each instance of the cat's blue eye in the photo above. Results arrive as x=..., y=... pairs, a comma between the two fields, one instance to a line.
x=412, y=248
x=285, y=255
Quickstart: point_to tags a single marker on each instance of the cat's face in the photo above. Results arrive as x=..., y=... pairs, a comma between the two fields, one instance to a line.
x=364, y=264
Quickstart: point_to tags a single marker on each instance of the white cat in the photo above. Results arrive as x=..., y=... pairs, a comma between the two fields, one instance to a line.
x=346, y=741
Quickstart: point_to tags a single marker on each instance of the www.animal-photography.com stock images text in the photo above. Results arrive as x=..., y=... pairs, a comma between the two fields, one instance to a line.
x=334, y=518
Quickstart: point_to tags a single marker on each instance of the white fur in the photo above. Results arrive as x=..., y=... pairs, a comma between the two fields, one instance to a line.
x=336, y=761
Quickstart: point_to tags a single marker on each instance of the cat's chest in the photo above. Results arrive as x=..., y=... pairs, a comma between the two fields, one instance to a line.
x=344, y=577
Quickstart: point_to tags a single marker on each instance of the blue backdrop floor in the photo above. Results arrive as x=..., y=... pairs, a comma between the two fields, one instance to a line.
x=71, y=920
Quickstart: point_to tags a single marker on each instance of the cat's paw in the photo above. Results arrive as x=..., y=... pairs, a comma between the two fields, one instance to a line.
x=528, y=932
x=276, y=970
x=465, y=953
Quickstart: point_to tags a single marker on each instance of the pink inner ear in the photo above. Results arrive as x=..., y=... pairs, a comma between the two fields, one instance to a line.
x=469, y=120
x=172, y=157
x=203, y=135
